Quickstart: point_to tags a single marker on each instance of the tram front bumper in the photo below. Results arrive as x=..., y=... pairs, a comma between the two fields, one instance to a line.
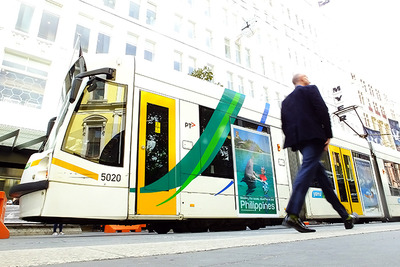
x=26, y=188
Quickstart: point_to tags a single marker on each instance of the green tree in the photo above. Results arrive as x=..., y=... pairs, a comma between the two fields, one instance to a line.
x=204, y=73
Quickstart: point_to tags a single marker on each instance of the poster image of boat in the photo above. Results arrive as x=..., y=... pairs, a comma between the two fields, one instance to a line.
x=254, y=173
x=368, y=188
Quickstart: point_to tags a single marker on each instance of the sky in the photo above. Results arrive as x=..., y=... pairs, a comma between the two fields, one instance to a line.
x=369, y=35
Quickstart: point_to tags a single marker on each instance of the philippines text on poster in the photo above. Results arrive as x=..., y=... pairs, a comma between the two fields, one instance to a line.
x=254, y=172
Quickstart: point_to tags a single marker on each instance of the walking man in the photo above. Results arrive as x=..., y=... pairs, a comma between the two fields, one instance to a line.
x=307, y=127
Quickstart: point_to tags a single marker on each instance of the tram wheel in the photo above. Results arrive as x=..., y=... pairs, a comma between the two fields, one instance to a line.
x=161, y=229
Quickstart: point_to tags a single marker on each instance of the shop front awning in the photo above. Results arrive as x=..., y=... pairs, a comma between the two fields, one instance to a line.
x=17, y=144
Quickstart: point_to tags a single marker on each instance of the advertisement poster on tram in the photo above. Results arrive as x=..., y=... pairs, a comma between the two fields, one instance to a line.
x=367, y=185
x=254, y=172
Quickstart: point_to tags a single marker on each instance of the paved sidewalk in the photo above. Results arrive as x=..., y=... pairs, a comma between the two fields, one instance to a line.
x=70, y=250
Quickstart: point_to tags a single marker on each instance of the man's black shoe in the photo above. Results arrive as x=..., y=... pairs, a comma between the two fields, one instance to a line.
x=297, y=224
x=350, y=221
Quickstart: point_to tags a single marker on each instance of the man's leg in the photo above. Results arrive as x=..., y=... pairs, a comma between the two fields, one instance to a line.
x=330, y=195
x=311, y=156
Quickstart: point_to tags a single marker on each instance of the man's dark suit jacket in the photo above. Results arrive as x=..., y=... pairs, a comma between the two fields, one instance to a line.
x=305, y=117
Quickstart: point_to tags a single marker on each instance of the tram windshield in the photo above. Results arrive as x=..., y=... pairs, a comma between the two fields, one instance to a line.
x=78, y=67
x=96, y=129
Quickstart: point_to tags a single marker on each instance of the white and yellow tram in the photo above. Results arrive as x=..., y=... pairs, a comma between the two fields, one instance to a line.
x=133, y=143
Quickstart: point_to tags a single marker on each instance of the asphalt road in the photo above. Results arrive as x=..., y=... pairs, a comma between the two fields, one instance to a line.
x=373, y=244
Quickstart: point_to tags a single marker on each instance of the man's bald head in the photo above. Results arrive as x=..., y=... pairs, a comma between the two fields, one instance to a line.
x=300, y=79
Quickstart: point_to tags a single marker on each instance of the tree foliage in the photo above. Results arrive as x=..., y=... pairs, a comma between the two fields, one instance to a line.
x=204, y=73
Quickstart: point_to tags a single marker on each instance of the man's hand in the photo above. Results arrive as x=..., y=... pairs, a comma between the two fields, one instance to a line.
x=327, y=144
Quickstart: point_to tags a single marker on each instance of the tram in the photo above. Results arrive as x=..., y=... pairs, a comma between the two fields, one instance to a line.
x=136, y=144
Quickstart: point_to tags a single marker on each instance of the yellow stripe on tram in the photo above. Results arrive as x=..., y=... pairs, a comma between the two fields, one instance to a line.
x=74, y=168
x=36, y=162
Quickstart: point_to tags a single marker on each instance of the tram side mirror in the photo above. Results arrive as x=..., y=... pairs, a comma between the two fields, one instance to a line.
x=50, y=125
x=76, y=84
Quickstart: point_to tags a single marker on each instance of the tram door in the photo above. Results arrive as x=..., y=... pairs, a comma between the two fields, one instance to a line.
x=345, y=179
x=156, y=152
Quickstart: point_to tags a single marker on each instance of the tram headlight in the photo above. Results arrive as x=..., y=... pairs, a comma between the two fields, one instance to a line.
x=42, y=172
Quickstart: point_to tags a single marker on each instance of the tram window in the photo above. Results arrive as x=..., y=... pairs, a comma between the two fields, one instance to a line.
x=393, y=171
x=360, y=156
x=113, y=151
x=157, y=154
x=327, y=165
x=222, y=165
x=340, y=177
x=251, y=125
x=95, y=131
x=350, y=178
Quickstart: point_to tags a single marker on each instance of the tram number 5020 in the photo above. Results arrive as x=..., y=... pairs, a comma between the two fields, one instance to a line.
x=110, y=177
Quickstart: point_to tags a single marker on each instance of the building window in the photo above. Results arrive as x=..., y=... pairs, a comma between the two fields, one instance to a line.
x=207, y=8
x=208, y=39
x=248, y=63
x=134, y=9
x=130, y=49
x=48, y=26
x=366, y=120
x=251, y=89
x=266, y=98
x=151, y=14
x=361, y=96
x=98, y=94
x=230, y=80
x=225, y=18
x=191, y=64
x=383, y=112
x=23, y=80
x=24, y=18
x=378, y=95
x=227, y=48
x=103, y=44
x=191, y=30
x=177, y=61
x=262, y=61
x=131, y=45
x=177, y=23
x=238, y=55
x=109, y=3
x=93, y=142
x=149, y=51
x=82, y=35
x=240, y=85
